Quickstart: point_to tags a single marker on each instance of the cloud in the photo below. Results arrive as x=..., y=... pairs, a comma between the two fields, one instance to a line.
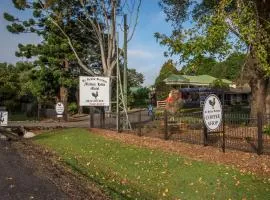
x=138, y=53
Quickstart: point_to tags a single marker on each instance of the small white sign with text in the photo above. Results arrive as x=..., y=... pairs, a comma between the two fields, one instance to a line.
x=212, y=112
x=59, y=109
x=3, y=118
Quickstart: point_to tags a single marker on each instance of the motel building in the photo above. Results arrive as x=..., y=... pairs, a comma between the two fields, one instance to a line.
x=194, y=89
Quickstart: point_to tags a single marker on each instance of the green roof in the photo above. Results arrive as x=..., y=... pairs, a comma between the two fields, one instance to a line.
x=196, y=80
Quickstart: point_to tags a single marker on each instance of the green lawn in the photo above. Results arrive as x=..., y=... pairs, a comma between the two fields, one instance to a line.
x=129, y=172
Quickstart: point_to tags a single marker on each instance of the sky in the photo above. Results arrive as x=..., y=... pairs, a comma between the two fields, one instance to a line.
x=144, y=53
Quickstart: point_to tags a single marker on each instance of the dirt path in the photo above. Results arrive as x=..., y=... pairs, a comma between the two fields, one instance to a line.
x=28, y=171
x=19, y=181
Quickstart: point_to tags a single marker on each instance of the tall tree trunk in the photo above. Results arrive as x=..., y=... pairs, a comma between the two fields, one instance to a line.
x=258, y=83
x=267, y=98
x=258, y=96
x=64, y=93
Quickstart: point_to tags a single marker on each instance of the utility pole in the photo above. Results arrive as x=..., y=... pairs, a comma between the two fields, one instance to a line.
x=117, y=85
x=125, y=61
x=122, y=120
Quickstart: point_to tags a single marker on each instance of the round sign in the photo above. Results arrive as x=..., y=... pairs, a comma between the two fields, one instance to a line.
x=59, y=108
x=212, y=112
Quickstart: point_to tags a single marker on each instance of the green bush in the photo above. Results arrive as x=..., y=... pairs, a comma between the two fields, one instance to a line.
x=266, y=130
x=72, y=108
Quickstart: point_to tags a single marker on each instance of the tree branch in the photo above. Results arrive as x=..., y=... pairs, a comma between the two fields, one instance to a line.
x=85, y=68
x=136, y=21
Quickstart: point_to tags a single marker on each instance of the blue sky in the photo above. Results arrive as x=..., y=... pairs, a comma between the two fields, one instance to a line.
x=144, y=53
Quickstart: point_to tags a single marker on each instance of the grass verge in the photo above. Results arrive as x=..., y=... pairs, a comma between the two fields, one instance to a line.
x=129, y=172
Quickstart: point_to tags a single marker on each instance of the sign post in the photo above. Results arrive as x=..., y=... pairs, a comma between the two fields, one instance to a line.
x=3, y=118
x=213, y=117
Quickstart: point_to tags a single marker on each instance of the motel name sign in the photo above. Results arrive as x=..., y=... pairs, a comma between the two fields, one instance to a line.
x=94, y=91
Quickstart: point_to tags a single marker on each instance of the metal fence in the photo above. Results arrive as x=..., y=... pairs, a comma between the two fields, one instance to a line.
x=238, y=131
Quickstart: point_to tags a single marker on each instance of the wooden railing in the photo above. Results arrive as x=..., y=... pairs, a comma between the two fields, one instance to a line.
x=161, y=104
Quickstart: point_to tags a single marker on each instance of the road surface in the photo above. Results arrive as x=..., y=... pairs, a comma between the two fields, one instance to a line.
x=19, y=180
x=83, y=122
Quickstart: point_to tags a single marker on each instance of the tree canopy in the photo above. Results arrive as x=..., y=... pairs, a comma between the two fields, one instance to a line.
x=219, y=28
x=229, y=69
x=94, y=22
x=166, y=70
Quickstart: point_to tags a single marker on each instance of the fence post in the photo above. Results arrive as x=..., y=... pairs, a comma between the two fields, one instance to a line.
x=260, y=132
x=165, y=125
x=139, y=122
x=91, y=117
x=118, y=121
x=223, y=127
x=204, y=135
x=102, y=116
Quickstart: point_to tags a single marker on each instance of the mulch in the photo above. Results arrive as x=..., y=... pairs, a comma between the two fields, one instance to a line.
x=249, y=163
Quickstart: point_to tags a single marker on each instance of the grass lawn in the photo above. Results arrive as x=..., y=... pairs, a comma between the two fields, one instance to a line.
x=129, y=172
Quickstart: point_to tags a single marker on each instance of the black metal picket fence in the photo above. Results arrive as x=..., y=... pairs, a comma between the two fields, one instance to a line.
x=238, y=131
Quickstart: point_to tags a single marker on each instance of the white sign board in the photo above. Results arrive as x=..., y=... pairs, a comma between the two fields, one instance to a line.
x=59, y=109
x=212, y=112
x=3, y=118
x=94, y=91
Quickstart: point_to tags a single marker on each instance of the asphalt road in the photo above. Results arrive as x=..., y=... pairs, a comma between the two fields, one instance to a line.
x=83, y=122
x=19, y=180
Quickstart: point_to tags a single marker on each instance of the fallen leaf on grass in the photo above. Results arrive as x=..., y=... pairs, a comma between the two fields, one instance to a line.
x=237, y=183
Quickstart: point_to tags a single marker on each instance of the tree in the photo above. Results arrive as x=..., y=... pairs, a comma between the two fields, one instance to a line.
x=220, y=27
x=199, y=66
x=166, y=70
x=96, y=18
x=14, y=85
x=87, y=27
x=230, y=68
x=8, y=86
x=135, y=79
x=54, y=54
x=139, y=98
x=219, y=84
x=227, y=69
